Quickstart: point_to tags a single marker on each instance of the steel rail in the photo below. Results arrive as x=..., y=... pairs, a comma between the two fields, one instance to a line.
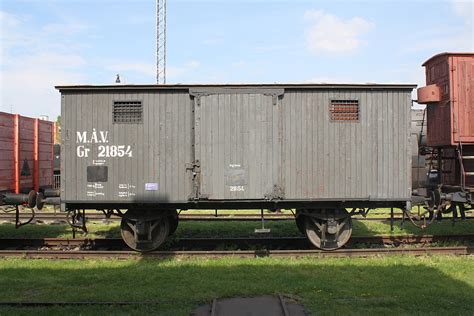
x=65, y=303
x=54, y=254
x=211, y=243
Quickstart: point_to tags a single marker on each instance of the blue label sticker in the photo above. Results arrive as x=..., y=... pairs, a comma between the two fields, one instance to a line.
x=151, y=186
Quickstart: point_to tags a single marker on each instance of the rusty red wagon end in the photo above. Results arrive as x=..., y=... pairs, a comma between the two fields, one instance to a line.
x=450, y=98
x=26, y=161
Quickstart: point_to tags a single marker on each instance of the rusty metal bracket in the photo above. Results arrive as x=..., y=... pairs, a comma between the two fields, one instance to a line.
x=200, y=92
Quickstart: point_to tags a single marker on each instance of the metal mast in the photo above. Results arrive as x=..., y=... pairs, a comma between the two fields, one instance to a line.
x=160, y=41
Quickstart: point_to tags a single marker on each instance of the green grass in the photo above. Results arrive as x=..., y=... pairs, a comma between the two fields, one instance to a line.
x=385, y=285
x=446, y=227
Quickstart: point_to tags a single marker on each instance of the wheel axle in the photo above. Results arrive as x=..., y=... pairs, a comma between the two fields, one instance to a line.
x=325, y=229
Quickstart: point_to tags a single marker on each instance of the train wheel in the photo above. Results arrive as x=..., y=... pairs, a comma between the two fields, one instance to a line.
x=328, y=229
x=142, y=234
x=174, y=221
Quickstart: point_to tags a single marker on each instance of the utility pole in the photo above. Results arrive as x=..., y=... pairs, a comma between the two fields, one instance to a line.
x=161, y=41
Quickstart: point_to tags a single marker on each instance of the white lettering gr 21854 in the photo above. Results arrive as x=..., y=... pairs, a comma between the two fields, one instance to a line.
x=104, y=150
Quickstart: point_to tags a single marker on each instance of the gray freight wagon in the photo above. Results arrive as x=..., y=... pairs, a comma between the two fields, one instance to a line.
x=145, y=151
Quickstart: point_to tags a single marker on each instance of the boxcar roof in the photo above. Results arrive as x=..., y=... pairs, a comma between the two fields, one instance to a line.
x=447, y=54
x=370, y=86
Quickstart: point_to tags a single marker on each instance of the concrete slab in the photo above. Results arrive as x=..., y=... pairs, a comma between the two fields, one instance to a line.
x=252, y=306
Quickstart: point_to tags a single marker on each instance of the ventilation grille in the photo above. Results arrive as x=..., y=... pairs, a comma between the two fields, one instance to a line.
x=127, y=112
x=344, y=110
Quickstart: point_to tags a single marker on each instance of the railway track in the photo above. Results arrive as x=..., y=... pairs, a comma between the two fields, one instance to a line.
x=81, y=248
x=89, y=254
x=240, y=242
x=64, y=303
x=61, y=217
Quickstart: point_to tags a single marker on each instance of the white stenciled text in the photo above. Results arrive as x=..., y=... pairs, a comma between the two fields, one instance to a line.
x=87, y=139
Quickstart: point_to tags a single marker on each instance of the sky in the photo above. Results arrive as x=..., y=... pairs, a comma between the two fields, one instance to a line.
x=47, y=43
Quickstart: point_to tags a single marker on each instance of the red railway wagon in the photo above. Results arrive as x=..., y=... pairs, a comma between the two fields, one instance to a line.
x=26, y=158
x=449, y=95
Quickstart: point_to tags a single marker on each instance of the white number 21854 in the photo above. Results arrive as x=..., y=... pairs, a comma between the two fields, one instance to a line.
x=115, y=151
